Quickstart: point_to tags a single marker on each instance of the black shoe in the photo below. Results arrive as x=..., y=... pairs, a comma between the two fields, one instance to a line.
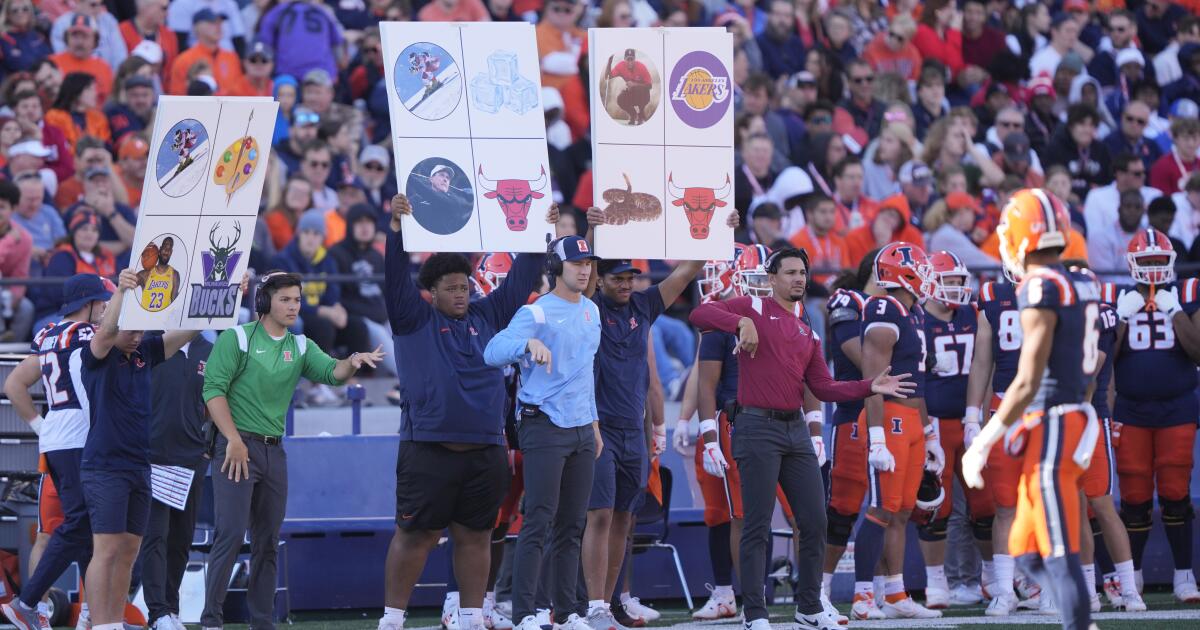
x=623, y=618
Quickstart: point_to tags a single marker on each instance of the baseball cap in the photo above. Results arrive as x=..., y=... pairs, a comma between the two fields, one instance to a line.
x=137, y=81
x=1076, y=5
x=1016, y=147
x=1130, y=55
x=612, y=267
x=260, y=49
x=82, y=215
x=29, y=147
x=375, y=153
x=1042, y=86
x=313, y=221
x=206, y=15
x=80, y=22
x=132, y=146
x=959, y=200
x=574, y=249
x=317, y=76
x=1071, y=62
x=1182, y=108
x=150, y=51
x=80, y=289
x=302, y=116
x=804, y=77
x=915, y=172
x=441, y=167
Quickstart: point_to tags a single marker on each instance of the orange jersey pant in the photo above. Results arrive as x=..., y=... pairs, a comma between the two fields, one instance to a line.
x=848, y=469
x=1048, y=504
x=723, y=497
x=1155, y=458
x=1097, y=480
x=50, y=513
x=1002, y=474
x=896, y=491
x=979, y=502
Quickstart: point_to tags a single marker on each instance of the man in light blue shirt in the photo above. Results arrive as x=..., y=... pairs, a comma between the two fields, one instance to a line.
x=555, y=339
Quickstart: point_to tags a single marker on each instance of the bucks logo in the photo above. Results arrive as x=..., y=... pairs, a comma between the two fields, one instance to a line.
x=217, y=296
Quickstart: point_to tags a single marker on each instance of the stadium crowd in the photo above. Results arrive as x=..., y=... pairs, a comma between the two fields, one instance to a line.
x=859, y=125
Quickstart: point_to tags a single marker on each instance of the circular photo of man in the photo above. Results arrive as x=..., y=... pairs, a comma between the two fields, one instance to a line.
x=630, y=87
x=428, y=81
x=158, y=280
x=441, y=195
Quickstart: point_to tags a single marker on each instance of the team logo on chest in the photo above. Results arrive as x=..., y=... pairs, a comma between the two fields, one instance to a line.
x=633, y=323
x=287, y=356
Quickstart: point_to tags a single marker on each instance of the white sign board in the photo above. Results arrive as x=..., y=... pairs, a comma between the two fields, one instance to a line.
x=204, y=181
x=662, y=141
x=469, y=135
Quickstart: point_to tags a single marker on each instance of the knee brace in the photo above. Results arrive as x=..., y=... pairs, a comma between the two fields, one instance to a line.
x=934, y=530
x=838, y=527
x=1136, y=516
x=981, y=528
x=1176, y=513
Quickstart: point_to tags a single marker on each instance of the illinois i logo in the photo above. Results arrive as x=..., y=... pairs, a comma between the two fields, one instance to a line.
x=217, y=295
x=700, y=89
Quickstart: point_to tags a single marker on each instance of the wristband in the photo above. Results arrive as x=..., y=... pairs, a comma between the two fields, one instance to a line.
x=708, y=425
x=817, y=417
x=36, y=425
x=875, y=435
x=991, y=433
x=972, y=415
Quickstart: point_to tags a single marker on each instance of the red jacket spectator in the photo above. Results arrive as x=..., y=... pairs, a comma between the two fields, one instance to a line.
x=863, y=239
x=1170, y=171
x=947, y=49
x=905, y=62
x=16, y=248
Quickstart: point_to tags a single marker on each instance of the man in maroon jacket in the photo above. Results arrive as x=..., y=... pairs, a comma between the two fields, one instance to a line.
x=771, y=442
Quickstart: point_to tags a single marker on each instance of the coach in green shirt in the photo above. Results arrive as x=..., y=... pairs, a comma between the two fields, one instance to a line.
x=248, y=385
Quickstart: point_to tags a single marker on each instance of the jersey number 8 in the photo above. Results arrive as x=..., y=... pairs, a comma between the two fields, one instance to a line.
x=1091, y=338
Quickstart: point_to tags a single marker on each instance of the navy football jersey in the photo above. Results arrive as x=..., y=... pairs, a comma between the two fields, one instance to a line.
x=1074, y=357
x=62, y=378
x=908, y=355
x=999, y=304
x=1155, y=378
x=718, y=345
x=1108, y=339
x=952, y=346
x=844, y=317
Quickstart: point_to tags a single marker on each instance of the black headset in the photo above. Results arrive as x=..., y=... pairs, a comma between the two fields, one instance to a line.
x=554, y=262
x=262, y=295
x=776, y=258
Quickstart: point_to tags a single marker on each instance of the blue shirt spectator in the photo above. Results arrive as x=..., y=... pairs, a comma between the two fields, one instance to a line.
x=782, y=49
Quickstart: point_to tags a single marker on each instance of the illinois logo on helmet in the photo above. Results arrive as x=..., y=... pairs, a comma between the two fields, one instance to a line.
x=718, y=277
x=947, y=267
x=492, y=269
x=750, y=272
x=904, y=266
x=1033, y=220
x=1151, y=257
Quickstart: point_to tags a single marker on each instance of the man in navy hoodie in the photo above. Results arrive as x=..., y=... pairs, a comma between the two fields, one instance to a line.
x=452, y=468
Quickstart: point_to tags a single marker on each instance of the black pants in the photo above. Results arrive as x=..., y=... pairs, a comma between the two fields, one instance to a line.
x=165, y=549
x=354, y=337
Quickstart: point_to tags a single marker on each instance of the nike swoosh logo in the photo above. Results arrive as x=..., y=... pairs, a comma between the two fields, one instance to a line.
x=774, y=318
x=559, y=321
x=259, y=351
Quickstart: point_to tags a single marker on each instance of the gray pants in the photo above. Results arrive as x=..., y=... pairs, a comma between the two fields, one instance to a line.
x=768, y=452
x=257, y=504
x=558, y=481
x=165, y=549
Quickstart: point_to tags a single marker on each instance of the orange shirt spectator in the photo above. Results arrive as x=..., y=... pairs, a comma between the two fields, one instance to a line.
x=164, y=37
x=75, y=110
x=825, y=252
x=225, y=64
x=454, y=11
x=897, y=223
x=892, y=51
x=81, y=39
x=560, y=46
x=281, y=227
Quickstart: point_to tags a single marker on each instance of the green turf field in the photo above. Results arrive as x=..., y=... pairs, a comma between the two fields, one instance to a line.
x=1163, y=613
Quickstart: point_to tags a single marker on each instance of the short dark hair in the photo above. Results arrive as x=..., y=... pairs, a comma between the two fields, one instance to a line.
x=88, y=142
x=813, y=200
x=10, y=193
x=1123, y=160
x=279, y=279
x=1080, y=112
x=819, y=105
x=24, y=95
x=848, y=161
x=1161, y=205
x=316, y=145
x=773, y=262
x=441, y=265
x=757, y=81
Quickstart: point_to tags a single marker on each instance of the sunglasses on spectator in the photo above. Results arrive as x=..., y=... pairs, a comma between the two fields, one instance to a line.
x=896, y=36
x=258, y=59
x=317, y=164
x=1135, y=120
x=860, y=80
x=820, y=120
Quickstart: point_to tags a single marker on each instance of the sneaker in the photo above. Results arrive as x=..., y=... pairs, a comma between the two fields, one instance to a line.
x=1095, y=602
x=531, y=622
x=322, y=395
x=1002, y=605
x=24, y=617
x=1048, y=606
x=1138, y=581
x=178, y=623
x=575, y=622
x=936, y=598
x=757, y=624
x=1112, y=590
x=164, y=623
x=718, y=606
x=450, y=611
x=1133, y=603
x=601, y=618
x=85, y=622
x=1032, y=603
x=820, y=621
x=624, y=618
x=908, y=609
x=393, y=397
x=393, y=625
x=1186, y=592
x=638, y=610
x=864, y=608
x=963, y=595
x=1026, y=588
x=544, y=620
x=505, y=608
x=833, y=611
x=494, y=619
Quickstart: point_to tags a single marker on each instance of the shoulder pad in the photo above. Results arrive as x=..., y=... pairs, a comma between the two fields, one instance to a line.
x=842, y=315
x=987, y=292
x=1190, y=291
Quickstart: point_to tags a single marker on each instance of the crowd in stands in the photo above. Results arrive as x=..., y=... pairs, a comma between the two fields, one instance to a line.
x=858, y=122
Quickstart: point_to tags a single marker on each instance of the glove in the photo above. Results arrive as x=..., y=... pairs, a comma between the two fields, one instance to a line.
x=714, y=460
x=1130, y=303
x=879, y=456
x=680, y=435
x=1167, y=302
x=660, y=439
x=935, y=457
x=1114, y=433
x=819, y=448
x=971, y=426
x=975, y=459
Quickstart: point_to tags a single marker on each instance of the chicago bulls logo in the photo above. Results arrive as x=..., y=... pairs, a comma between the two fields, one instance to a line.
x=514, y=196
x=698, y=204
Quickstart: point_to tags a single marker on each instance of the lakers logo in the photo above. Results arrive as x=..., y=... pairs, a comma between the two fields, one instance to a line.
x=699, y=89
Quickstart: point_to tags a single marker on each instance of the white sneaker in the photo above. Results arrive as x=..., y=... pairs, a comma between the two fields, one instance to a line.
x=1112, y=590
x=963, y=595
x=450, y=611
x=1138, y=581
x=530, y=622
x=718, y=606
x=820, y=621
x=177, y=622
x=636, y=609
x=494, y=619
x=575, y=622
x=392, y=625
x=1048, y=606
x=831, y=610
x=757, y=624
x=1186, y=592
x=864, y=608
x=163, y=623
x=1032, y=603
x=936, y=598
x=505, y=608
x=1133, y=603
x=1002, y=605
x=908, y=609
x=544, y=620
x=1095, y=602
x=85, y=622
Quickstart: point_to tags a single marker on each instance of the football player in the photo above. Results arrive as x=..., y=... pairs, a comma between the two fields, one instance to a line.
x=900, y=437
x=1158, y=348
x=950, y=339
x=1045, y=416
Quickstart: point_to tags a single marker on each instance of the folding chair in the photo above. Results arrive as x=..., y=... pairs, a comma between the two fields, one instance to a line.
x=652, y=513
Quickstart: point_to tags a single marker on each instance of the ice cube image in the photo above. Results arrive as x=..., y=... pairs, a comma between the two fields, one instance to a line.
x=521, y=96
x=502, y=67
x=486, y=95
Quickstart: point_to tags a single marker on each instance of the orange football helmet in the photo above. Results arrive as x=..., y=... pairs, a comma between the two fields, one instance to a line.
x=718, y=277
x=492, y=269
x=750, y=272
x=904, y=266
x=1151, y=257
x=946, y=265
x=1033, y=220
